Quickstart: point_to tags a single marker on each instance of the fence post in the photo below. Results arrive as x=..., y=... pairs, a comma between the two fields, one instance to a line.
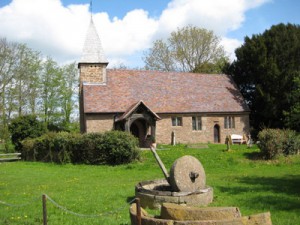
x=44, y=199
x=138, y=212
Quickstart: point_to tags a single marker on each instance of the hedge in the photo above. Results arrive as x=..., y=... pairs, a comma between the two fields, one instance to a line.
x=113, y=147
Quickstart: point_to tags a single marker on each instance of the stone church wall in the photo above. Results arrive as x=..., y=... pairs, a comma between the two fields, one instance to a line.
x=184, y=133
x=99, y=122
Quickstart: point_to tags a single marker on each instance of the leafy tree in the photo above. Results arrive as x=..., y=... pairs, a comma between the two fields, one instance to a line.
x=8, y=58
x=292, y=116
x=51, y=78
x=189, y=49
x=267, y=71
x=26, y=85
x=31, y=85
x=69, y=92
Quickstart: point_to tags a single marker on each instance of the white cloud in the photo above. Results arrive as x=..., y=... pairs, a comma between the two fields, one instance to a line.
x=230, y=45
x=218, y=15
x=45, y=25
x=59, y=31
x=127, y=35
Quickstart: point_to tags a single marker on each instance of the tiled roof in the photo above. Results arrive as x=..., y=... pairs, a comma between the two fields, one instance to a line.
x=134, y=107
x=92, y=50
x=164, y=92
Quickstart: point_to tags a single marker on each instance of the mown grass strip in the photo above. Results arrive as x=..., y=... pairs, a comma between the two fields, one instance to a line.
x=238, y=180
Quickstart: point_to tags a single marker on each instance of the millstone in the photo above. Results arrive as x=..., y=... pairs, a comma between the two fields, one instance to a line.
x=187, y=175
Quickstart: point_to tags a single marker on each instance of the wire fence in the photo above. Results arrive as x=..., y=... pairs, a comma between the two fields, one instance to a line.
x=86, y=215
x=63, y=208
x=21, y=205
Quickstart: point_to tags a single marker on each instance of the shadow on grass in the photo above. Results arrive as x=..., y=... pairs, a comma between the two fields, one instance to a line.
x=254, y=155
x=284, y=194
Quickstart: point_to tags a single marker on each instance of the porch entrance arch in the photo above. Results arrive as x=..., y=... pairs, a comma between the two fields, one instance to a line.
x=138, y=129
x=140, y=121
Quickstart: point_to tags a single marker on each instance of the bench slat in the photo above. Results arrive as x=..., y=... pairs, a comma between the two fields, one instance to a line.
x=9, y=159
x=11, y=154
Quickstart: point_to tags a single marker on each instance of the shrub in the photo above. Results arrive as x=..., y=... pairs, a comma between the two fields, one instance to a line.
x=291, y=143
x=119, y=147
x=87, y=150
x=25, y=127
x=275, y=142
x=50, y=147
x=270, y=143
x=28, y=149
x=114, y=147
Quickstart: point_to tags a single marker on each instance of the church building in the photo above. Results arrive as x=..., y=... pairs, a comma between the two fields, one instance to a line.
x=165, y=106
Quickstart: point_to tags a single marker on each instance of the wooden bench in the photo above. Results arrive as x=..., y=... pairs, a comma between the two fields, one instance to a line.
x=10, y=157
x=238, y=139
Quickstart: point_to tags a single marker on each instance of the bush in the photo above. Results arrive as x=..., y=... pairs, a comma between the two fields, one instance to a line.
x=291, y=143
x=275, y=142
x=114, y=147
x=25, y=127
x=119, y=147
x=50, y=147
x=87, y=149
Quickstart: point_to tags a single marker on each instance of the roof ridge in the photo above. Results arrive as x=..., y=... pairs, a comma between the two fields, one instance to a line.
x=160, y=71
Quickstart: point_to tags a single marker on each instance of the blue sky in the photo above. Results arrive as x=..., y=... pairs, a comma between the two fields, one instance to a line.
x=127, y=28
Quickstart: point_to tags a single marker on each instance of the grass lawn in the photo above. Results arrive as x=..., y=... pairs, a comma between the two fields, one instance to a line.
x=252, y=185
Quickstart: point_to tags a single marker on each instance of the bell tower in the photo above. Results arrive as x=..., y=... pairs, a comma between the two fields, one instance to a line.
x=93, y=63
x=92, y=67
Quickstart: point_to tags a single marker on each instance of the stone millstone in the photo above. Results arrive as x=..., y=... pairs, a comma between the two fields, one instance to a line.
x=187, y=175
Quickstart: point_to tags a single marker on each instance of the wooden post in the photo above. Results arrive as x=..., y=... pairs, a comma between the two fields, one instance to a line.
x=160, y=163
x=138, y=212
x=44, y=199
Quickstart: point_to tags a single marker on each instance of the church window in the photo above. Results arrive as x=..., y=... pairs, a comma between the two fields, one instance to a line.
x=176, y=121
x=197, y=123
x=229, y=122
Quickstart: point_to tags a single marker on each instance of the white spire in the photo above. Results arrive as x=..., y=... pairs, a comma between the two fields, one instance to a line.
x=92, y=50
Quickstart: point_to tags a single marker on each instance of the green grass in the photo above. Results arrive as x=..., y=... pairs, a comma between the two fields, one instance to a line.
x=252, y=185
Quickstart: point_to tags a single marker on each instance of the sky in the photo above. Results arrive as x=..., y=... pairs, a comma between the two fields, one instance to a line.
x=127, y=28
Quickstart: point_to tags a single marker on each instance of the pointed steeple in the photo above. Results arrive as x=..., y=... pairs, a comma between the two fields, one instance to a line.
x=92, y=50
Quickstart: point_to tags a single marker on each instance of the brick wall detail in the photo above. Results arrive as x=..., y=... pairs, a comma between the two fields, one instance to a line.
x=184, y=134
x=92, y=73
x=99, y=122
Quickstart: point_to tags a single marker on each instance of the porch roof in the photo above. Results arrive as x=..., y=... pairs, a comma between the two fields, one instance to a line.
x=132, y=108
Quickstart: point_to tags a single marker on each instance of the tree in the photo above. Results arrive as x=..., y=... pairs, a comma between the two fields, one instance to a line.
x=26, y=83
x=267, y=71
x=189, y=49
x=292, y=116
x=69, y=92
x=51, y=78
x=31, y=85
x=8, y=57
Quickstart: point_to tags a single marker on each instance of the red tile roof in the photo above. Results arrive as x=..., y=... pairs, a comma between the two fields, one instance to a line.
x=163, y=92
x=132, y=108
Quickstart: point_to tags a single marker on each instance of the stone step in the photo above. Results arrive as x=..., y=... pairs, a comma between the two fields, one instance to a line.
x=258, y=219
x=177, y=212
